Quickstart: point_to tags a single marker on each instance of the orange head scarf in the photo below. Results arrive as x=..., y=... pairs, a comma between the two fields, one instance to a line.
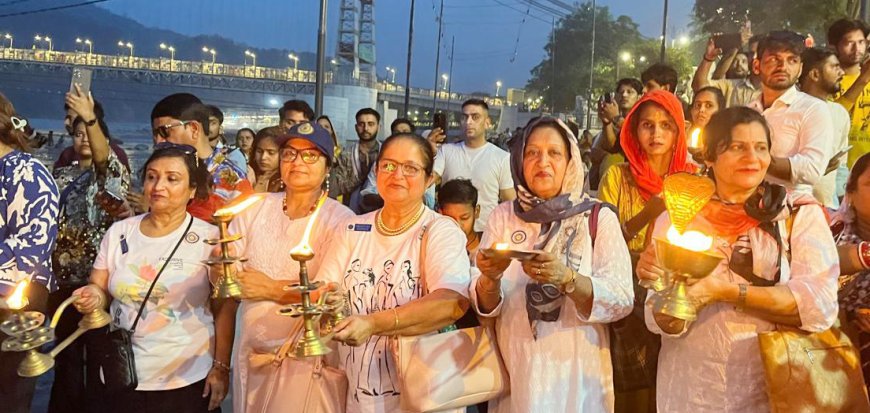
x=646, y=179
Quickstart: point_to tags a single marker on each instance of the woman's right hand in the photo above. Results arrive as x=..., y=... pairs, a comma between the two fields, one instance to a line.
x=90, y=298
x=257, y=286
x=492, y=266
x=648, y=266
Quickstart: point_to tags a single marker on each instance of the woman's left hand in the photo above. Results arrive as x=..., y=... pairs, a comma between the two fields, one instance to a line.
x=545, y=268
x=216, y=383
x=81, y=103
x=354, y=330
x=706, y=290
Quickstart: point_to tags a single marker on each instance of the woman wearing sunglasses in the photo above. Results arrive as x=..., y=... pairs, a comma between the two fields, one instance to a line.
x=270, y=229
x=404, y=268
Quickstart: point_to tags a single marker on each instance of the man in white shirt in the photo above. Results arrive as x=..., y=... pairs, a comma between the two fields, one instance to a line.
x=801, y=124
x=486, y=165
x=821, y=78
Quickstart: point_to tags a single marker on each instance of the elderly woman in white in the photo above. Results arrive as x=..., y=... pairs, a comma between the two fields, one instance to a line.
x=551, y=311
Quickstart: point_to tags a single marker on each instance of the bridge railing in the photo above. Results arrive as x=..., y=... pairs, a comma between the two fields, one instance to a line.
x=206, y=67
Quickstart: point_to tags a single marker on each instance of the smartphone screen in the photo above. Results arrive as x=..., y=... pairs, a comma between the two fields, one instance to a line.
x=440, y=121
x=728, y=41
x=81, y=76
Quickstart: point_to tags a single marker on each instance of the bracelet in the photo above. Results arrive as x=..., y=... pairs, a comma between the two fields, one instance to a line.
x=709, y=60
x=741, y=298
x=220, y=366
x=491, y=292
x=864, y=254
x=396, y=321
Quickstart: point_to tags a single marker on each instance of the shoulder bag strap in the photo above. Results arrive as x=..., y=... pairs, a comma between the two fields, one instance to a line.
x=153, y=283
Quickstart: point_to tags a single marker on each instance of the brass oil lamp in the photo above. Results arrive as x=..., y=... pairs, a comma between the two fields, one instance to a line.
x=227, y=286
x=313, y=343
x=27, y=333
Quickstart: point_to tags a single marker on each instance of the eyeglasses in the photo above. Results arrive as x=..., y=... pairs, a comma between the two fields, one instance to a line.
x=163, y=130
x=309, y=156
x=187, y=150
x=408, y=169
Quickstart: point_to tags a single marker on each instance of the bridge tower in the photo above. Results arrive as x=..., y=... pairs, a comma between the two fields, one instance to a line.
x=356, y=40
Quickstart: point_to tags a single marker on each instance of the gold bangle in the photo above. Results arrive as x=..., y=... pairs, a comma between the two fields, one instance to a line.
x=741, y=297
x=396, y=322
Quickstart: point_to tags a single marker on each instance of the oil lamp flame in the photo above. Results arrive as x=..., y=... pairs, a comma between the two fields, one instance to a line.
x=239, y=207
x=695, y=140
x=17, y=301
x=690, y=240
x=304, y=247
x=501, y=246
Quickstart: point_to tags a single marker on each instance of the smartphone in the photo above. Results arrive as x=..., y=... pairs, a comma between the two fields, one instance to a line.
x=440, y=121
x=727, y=41
x=113, y=199
x=608, y=97
x=81, y=76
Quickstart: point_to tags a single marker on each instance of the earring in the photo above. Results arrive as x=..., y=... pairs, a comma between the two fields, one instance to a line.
x=327, y=184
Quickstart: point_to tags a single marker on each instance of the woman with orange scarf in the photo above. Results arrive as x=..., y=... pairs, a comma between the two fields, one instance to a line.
x=654, y=142
x=780, y=267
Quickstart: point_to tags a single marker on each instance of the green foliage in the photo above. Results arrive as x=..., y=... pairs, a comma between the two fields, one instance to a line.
x=613, y=38
x=802, y=16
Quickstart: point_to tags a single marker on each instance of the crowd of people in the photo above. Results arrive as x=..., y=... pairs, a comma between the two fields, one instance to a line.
x=405, y=228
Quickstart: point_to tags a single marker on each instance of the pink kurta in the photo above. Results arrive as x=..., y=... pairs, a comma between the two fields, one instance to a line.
x=268, y=238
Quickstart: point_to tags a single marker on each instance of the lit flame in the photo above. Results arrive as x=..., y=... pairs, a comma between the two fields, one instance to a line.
x=239, y=207
x=304, y=247
x=17, y=301
x=501, y=246
x=690, y=240
x=695, y=140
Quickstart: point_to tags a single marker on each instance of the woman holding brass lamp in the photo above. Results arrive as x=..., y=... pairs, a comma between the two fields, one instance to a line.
x=149, y=271
x=552, y=305
x=270, y=229
x=778, y=267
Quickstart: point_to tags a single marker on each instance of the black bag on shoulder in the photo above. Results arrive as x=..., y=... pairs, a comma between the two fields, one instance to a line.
x=115, y=347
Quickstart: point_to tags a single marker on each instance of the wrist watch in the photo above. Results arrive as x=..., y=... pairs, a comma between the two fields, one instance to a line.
x=570, y=286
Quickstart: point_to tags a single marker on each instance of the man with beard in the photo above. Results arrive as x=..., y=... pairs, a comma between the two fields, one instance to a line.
x=821, y=78
x=353, y=165
x=849, y=39
x=801, y=124
x=474, y=158
x=741, y=85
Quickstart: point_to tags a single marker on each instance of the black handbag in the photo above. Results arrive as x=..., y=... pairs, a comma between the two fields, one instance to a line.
x=115, y=346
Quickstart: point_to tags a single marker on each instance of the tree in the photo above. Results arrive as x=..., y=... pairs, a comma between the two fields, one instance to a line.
x=802, y=16
x=571, y=46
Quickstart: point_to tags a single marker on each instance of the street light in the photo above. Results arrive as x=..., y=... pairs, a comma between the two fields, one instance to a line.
x=46, y=39
x=164, y=46
x=88, y=43
x=392, y=71
x=642, y=59
x=497, y=87
x=625, y=57
x=684, y=40
x=212, y=52
x=295, y=60
x=444, y=79
x=252, y=55
x=8, y=36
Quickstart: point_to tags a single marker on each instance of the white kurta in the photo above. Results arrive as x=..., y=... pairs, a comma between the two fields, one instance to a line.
x=715, y=365
x=568, y=367
x=268, y=238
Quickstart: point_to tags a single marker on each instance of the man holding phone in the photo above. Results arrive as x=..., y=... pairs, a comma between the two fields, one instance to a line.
x=738, y=92
x=821, y=78
x=474, y=158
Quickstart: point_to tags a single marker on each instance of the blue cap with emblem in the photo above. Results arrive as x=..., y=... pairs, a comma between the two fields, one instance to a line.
x=312, y=132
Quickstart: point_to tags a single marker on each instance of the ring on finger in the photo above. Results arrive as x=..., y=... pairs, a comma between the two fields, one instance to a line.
x=538, y=271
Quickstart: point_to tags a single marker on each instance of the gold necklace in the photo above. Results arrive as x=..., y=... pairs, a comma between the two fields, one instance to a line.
x=382, y=228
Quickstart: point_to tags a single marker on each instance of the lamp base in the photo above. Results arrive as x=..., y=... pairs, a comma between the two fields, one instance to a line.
x=35, y=364
x=675, y=302
x=310, y=345
x=227, y=288
x=96, y=319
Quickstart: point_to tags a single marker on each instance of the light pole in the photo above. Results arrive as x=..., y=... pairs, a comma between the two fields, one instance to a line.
x=252, y=55
x=444, y=80
x=392, y=71
x=8, y=36
x=86, y=42
x=210, y=51
x=497, y=87
x=128, y=45
x=295, y=60
x=164, y=46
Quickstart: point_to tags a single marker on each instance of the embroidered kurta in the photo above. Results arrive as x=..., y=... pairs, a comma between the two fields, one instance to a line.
x=567, y=368
x=715, y=364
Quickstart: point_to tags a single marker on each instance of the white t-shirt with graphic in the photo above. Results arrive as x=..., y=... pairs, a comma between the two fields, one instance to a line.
x=488, y=167
x=380, y=273
x=173, y=344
